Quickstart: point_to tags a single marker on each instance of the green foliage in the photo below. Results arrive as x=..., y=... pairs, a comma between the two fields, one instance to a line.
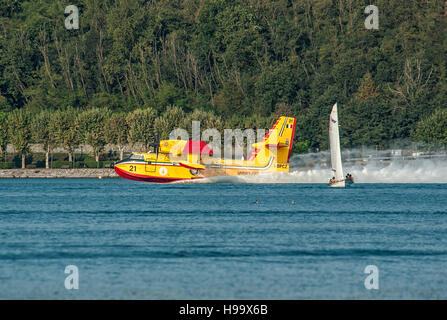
x=106, y=100
x=91, y=124
x=93, y=164
x=116, y=130
x=276, y=85
x=7, y=165
x=167, y=94
x=433, y=129
x=300, y=147
x=230, y=98
x=239, y=61
x=41, y=126
x=373, y=132
x=3, y=132
x=208, y=120
x=59, y=164
x=4, y=105
x=171, y=119
x=66, y=129
x=19, y=131
x=8, y=7
x=82, y=164
x=141, y=127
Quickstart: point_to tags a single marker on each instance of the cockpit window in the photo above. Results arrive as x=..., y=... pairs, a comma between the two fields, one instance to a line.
x=136, y=157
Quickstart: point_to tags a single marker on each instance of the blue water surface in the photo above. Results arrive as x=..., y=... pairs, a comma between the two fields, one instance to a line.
x=134, y=240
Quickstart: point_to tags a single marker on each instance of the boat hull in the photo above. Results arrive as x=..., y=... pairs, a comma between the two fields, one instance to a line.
x=337, y=184
x=147, y=178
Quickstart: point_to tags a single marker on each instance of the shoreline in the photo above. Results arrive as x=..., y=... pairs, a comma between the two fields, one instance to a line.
x=58, y=173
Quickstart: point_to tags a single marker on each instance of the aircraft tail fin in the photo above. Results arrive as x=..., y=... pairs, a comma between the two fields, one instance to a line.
x=279, y=137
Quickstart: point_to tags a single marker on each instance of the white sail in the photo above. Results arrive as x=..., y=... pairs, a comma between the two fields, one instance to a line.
x=334, y=142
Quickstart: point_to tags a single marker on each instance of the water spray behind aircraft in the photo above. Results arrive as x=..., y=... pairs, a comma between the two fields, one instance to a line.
x=365, y=164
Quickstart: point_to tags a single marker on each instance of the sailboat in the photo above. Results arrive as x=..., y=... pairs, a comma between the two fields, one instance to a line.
x=334, y=142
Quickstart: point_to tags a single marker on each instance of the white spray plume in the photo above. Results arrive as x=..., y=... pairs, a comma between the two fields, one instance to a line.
x=314, y=168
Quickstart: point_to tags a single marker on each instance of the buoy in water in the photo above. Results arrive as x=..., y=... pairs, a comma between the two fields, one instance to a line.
x=100, y=177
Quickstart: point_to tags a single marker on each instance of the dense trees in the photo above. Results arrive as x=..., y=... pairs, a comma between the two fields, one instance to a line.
x=232, y=63
x=433, y=129
x=116, y=132
x=141, y=127
x=41, y=130
x=3, y=133
x=65, y=129
x=171, y=119
x=19, y=132
x=91, y=128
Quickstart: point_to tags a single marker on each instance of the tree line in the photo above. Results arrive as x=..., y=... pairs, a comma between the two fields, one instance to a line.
x=98, y=127
x=239, y=62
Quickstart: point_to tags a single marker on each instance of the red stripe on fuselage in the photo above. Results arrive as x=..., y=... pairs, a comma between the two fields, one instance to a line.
x=139, y=177
x=291, y=142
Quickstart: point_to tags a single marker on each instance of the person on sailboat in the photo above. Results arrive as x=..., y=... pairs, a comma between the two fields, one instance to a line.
x=349, y=178
x=332, y=180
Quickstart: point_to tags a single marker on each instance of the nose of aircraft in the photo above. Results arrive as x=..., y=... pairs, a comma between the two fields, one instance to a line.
x=117, y=163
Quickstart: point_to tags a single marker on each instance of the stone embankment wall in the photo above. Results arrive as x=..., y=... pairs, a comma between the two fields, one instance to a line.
x=58, y=173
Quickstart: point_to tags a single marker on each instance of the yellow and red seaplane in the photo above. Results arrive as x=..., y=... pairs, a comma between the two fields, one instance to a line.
x=174, y=160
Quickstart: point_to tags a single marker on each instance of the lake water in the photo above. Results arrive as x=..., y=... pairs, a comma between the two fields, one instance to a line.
x=209, y=241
